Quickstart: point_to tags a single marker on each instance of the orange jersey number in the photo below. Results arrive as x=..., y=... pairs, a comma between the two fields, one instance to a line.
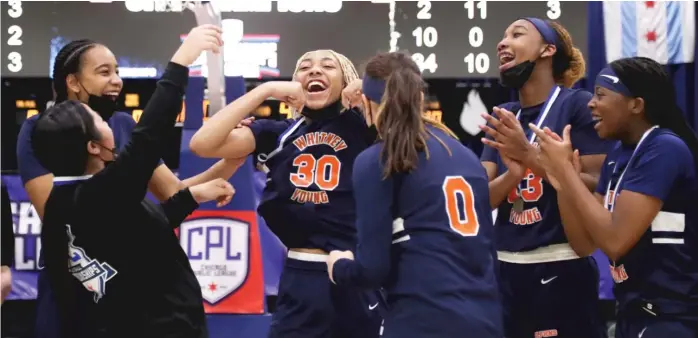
x=462, y=216
x=324, y=172
x=531, y=188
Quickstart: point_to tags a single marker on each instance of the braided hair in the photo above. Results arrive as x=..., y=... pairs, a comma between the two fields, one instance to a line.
x=68, y=61
x=349, y=72
x=647, y=79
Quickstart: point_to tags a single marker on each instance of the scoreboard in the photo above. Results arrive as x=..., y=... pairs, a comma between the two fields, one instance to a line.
x=448, y=39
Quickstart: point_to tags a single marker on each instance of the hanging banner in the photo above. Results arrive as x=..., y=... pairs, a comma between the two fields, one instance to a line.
x=27, y=228
x=222, y=246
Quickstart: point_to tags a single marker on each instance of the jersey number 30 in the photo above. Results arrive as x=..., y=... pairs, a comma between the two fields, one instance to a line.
x=324, y=172
x=460, y=206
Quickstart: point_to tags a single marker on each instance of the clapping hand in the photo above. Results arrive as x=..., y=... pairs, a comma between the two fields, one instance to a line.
x=508, y=136
x=556, y=155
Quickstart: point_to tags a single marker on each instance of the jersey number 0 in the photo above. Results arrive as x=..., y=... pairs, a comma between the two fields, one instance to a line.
x=460, y=206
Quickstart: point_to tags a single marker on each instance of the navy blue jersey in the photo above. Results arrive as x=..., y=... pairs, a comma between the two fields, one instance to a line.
x=122, y=125
x=539, y=223
x=661, y=270
x=308, y=201
x=427, y=238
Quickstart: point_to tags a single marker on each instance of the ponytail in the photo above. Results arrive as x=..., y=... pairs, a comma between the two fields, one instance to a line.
x=400, y=123
x=395, y=82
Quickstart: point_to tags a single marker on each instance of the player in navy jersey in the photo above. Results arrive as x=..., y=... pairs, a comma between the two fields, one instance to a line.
x=99, y=228
x=643, y=214
x=308, y=201
x=423, y=216
x=87, y=71
x=540, y=264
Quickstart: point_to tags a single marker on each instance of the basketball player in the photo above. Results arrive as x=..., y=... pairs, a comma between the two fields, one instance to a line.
x=101, y=232
x=436, y=264
x=643, y=214
x=540, y=260
x=87, y=71
x=308, y=201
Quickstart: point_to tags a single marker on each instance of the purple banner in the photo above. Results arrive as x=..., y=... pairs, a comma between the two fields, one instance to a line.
x=27, y=227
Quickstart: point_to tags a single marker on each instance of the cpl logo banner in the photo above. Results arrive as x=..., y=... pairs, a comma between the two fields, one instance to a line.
x=224, y=251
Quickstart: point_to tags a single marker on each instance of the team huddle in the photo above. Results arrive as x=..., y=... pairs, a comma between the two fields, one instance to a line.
x=387, y=217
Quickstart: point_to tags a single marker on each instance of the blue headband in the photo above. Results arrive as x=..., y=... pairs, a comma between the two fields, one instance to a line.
x=373, y=88
x=547, y=32
x=608, y=79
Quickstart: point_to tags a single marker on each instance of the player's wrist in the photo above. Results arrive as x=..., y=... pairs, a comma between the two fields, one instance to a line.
x=566, y=173
x=530, y=157
x=266, y=89
x=514, y=177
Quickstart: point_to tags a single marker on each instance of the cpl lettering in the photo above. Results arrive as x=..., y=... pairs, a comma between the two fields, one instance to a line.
x=204, y=241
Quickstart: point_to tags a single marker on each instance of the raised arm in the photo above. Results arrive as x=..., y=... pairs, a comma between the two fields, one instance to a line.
x=184, y=202
x=219, y=137
x=165, y=184
x=130, y=173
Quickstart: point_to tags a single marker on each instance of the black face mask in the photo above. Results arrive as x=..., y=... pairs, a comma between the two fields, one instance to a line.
x=102, y=105
x=113, y=151
x=329, y=112
x=515, y=77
